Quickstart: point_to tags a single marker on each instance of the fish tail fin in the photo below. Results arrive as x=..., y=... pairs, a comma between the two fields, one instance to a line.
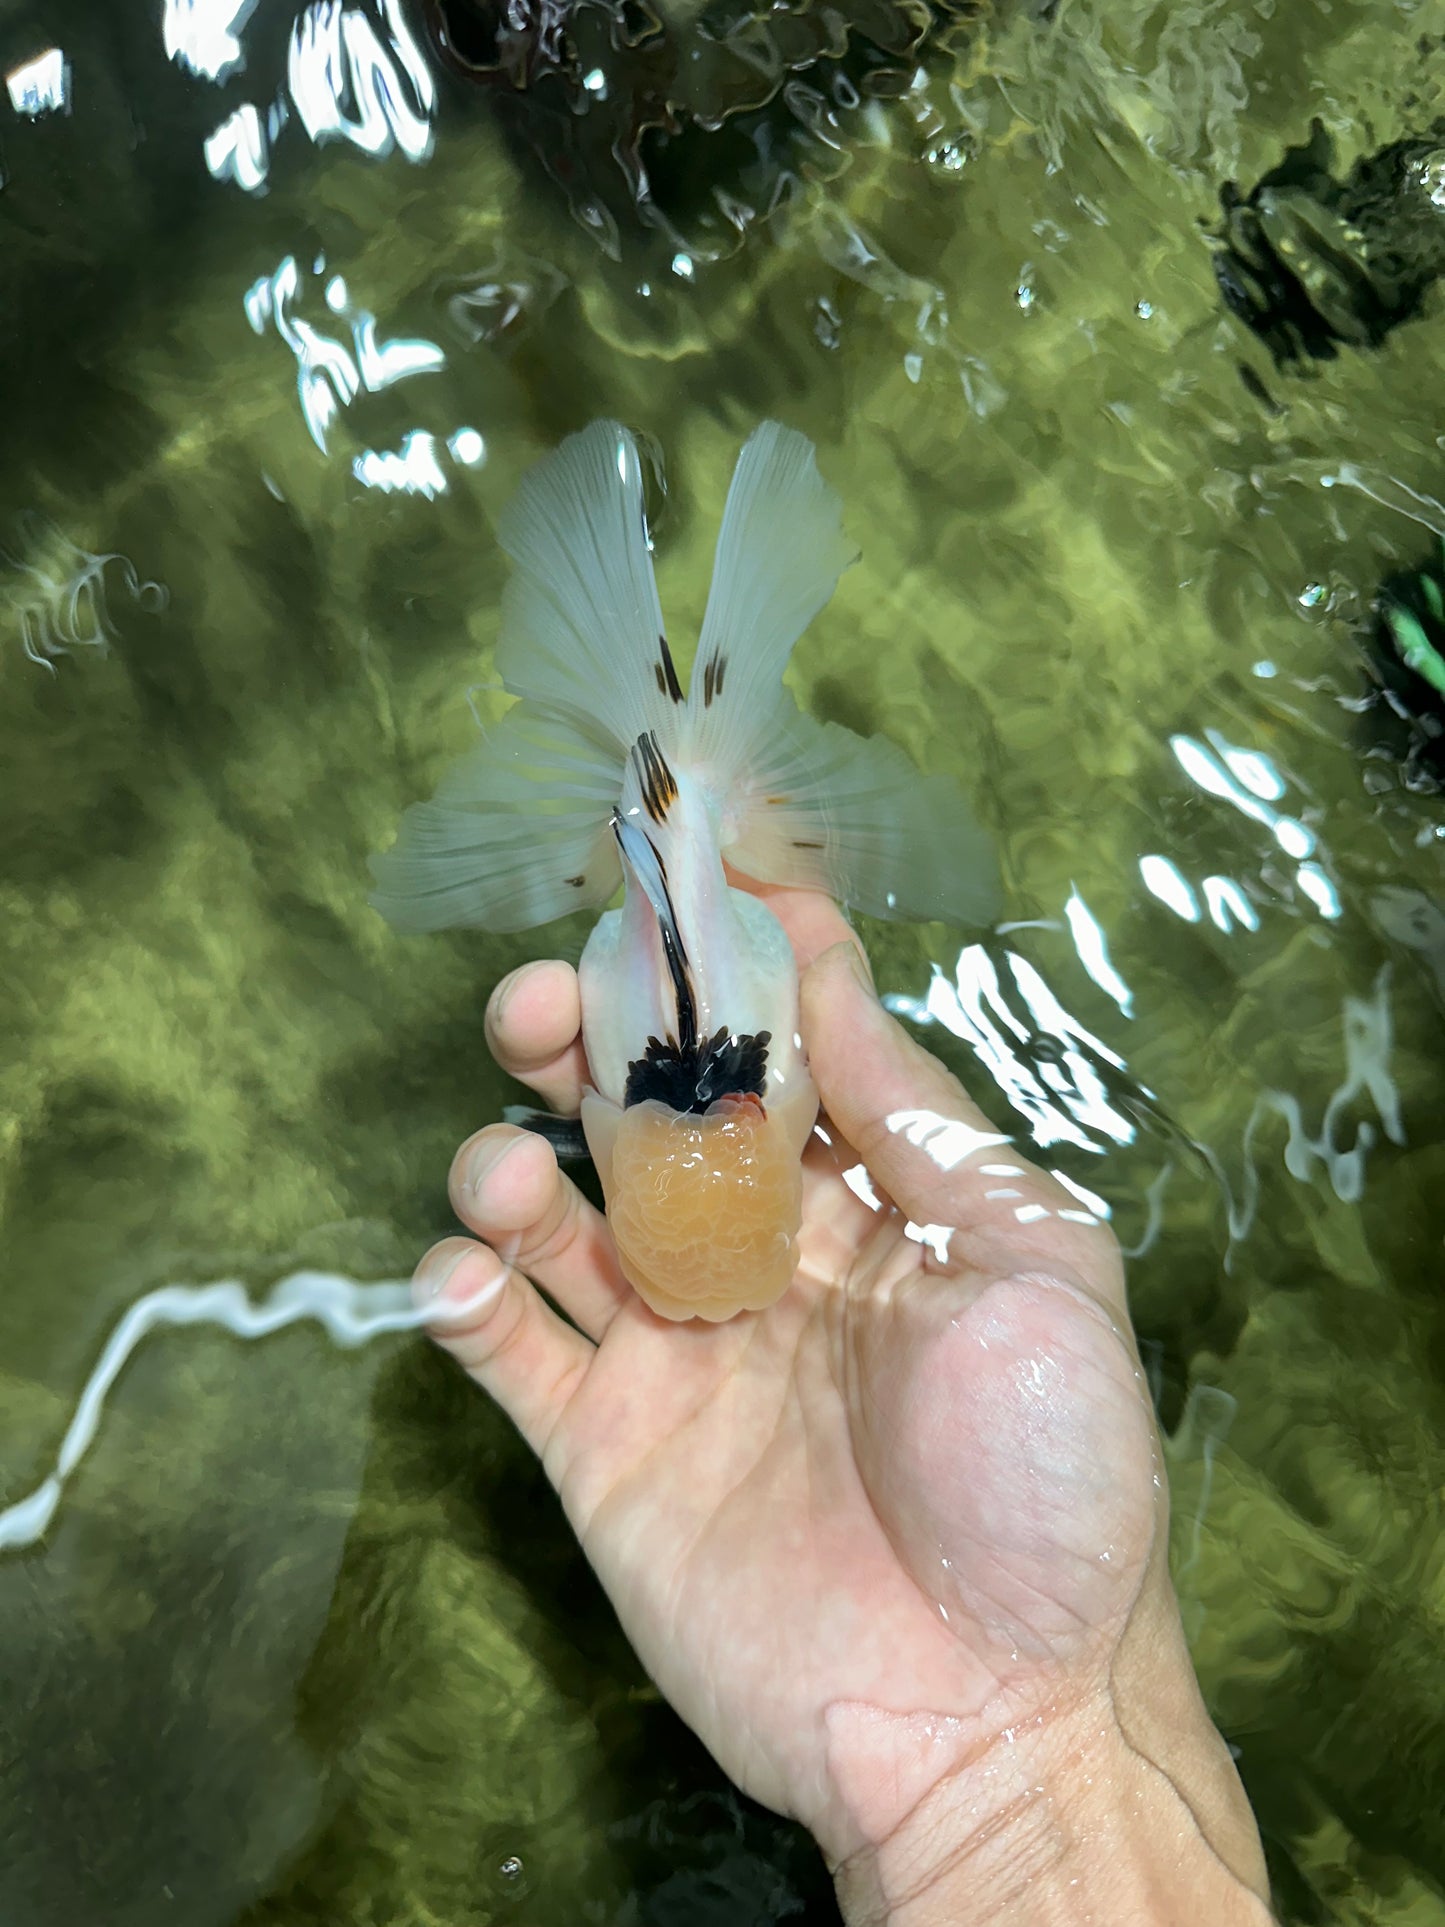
x=518, y=832
x=581, y=632
x=810, y=803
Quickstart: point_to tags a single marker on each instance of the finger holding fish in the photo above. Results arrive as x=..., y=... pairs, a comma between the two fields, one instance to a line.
x=506, y=1186
x=500, y=1329
x=534, y=1031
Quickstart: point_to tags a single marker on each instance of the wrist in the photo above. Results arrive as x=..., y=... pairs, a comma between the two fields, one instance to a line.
x=1064, y=1819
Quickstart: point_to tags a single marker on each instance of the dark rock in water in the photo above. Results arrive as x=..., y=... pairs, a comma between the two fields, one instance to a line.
x=1406, y=655
x=691, y=123
x=1308, y=262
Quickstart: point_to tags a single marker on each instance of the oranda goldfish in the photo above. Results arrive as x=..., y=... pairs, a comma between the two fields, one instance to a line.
x=607, y=771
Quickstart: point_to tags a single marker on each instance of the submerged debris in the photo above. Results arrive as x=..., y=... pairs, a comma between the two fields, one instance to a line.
x=1308, y=262
x=55, y=594
x=694, y=124
x=1406, y=656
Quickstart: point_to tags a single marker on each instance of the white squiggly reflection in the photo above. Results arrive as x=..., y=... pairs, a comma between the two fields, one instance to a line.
x=1414, y=919
x=858, y=1181
x=1250, y=782
x=1164, y=880
x=40, y=86
x=1093, y=949
x=352, y=1313
x=349, y=83
x=205, y=35
x=59, y=600
x=412, y=469
x=947, y=1140
x=329, y=376
x=1228, y=905
x=1368, y=1042
x=236, y=151
x=1059, y=1089
x=1203, y=1427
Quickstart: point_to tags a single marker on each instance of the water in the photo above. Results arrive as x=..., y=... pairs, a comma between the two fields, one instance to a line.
x=307, y=1638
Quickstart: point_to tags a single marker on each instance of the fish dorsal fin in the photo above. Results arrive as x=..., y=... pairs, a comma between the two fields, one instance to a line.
x=581, y=629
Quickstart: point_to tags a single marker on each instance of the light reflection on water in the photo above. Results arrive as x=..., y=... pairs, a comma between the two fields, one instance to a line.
x=1099, y=584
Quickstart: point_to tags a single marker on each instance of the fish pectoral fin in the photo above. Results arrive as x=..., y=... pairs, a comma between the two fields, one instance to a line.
x=564, y=1134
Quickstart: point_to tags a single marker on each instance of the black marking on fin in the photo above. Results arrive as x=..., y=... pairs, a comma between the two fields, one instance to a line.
x=564, y=1134
x=659, y=785
x=730, y=1063
x=668, y=682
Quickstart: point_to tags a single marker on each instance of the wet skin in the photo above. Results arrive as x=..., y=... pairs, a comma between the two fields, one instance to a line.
x=898, y=1541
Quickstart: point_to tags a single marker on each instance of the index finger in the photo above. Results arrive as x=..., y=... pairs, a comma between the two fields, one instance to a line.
x=534, y=1030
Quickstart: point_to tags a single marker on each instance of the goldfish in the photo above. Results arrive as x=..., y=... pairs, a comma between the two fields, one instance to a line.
x=607, y=771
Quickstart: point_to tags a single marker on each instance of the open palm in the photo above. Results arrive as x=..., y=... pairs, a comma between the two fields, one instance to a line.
x=915, y=1504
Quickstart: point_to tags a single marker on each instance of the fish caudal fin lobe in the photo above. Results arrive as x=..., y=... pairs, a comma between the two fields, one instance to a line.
x=780, y=552
x=518, y=833
x=582, y=632
x=810, y=803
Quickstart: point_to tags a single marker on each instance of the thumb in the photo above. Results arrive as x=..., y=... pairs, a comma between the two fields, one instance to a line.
x=910, y=1120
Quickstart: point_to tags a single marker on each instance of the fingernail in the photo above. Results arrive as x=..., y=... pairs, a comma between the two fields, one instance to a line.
x=433, y=1273
x=486, y=1160
x=862, y=971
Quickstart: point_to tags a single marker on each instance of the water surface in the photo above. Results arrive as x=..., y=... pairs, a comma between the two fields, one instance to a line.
x=307, y=1639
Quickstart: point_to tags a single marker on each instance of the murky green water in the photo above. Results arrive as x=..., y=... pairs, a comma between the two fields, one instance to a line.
x=307, y=1640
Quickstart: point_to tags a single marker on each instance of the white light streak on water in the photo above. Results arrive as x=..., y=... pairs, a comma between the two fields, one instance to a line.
x=352, y=1313
x=1163, y=880
x=347, y=85
x=1320, y=891
x=384, y=362
x=1094, y=1202
x=1093, y=949
x=328, y=376
x=40, y=86
x=1058, y=1098
x=1229, y=905
x=947, y=1140
x=204, y=35
x=236, y=151
x=411, y=470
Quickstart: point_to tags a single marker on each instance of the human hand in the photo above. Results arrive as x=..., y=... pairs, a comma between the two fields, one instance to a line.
x=896, y=1547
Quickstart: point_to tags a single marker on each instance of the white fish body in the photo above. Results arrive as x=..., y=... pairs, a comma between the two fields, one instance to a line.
x=606, y=771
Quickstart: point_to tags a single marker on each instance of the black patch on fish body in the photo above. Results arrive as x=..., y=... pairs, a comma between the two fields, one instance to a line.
x=689, y=1078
